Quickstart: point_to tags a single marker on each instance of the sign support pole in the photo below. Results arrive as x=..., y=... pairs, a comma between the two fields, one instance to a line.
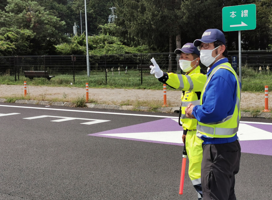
x=87, y=44
x=240, y=57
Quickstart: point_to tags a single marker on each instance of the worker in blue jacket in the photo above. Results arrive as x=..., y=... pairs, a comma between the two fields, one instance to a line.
x=218, y=117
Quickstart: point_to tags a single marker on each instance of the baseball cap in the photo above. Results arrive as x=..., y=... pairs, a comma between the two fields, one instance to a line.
x=211, y=35
x=187, y=48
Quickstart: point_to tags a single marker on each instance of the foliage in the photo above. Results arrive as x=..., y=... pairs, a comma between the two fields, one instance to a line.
x=76, y=46
x=3, y=4
x=40, y=29
x=261, y=37
x=6, y=46
x=80, y=102
x=97, y=13
x=148, y=22
x=106, y=44
x=98, y=45
x=39, y=26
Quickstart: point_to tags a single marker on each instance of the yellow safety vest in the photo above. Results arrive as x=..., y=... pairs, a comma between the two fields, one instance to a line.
x=228, y=127
x=192, y=84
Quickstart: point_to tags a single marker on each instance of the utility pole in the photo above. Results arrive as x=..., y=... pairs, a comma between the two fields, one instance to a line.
x=80, y=23
x=87, y=44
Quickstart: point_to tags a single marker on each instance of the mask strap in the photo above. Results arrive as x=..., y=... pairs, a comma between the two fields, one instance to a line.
x=193, y=61
x=218, y=54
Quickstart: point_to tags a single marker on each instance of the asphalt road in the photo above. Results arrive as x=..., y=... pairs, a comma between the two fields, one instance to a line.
x=74, y=154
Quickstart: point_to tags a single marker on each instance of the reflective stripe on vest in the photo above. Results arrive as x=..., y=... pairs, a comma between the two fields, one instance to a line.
x=185, y=104
x=181, y=84
x=190, y=82
x=217, y=130
x=196, y=181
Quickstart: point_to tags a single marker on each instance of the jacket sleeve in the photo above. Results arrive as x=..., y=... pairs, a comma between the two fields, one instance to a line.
x=194, y=82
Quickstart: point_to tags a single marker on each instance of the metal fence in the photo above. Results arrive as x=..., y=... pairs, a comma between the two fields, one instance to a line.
x=74, y=65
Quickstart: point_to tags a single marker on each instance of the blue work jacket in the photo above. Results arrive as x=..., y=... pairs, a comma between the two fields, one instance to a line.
x=219, y=101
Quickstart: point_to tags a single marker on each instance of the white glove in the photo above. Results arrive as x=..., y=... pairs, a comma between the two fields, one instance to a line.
x=155, y=69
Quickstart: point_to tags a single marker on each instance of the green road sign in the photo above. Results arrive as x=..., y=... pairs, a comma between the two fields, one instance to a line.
x=239, y=18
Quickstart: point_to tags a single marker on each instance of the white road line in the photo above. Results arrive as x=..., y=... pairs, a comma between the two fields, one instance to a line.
x=87, y=111
x=65, y=119
x=8, y=114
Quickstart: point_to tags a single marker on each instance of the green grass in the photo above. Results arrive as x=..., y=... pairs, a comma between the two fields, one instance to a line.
x=80, y=102
x=131, y=80
x=254, y=81
x=251, y=80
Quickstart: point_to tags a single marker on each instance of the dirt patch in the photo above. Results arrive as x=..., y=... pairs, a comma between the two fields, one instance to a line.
x=118, y=96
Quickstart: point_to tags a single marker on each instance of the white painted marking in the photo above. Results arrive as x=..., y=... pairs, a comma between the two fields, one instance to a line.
x=243, y=122
x=36, y=117
x=164, y=136
x=245, y=133
x=64, y=119
x=8, y=114
x=87, y=111
x=238, y=25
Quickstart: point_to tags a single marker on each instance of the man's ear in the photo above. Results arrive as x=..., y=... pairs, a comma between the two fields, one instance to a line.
x=222, y=49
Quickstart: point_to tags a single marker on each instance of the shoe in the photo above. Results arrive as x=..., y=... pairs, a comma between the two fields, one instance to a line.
x=199, y=199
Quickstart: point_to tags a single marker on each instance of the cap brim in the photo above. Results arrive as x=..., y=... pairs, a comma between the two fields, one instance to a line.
x=177, y=51
x=197, y=42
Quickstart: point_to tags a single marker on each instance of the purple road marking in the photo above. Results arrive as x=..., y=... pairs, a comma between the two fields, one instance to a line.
x=266, y=127
x=154, y=126
x=263, y=147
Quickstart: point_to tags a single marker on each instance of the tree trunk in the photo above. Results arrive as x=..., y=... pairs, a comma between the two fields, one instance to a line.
x=170, y=54
x=178, y=41
x=178, y=46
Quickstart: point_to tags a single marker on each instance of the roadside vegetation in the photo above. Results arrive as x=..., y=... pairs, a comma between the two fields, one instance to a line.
x=252, y=80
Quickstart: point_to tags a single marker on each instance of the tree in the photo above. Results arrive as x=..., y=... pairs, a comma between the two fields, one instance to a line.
x=261, y=37
x=63, y=9
x=6, y=46
x=97, y=13
x=44, y=28
x=99, y=45
x=150, y=22
x=3, y=4
x=198, y=15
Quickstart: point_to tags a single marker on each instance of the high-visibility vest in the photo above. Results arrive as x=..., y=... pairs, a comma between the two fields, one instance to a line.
x=192, y=84
x=187, y=98
x=228, y=127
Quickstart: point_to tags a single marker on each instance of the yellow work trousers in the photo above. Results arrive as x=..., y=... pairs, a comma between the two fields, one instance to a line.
x=194, y=153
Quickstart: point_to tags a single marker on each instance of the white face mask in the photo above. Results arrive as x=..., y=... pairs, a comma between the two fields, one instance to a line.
x=185, y=65
x=206, y=57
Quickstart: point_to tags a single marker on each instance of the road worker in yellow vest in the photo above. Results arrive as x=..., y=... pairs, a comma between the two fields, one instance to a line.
x=191, y=84
x=218, y=117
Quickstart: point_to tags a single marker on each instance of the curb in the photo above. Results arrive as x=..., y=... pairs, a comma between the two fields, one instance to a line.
x=266, y=115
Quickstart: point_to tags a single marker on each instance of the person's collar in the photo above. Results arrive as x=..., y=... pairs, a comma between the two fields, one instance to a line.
x=195, y=70
x=218, y=62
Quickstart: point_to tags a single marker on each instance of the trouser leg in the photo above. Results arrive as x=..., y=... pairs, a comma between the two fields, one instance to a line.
x=232, y=195
x=220, y=164
x=194, y=153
